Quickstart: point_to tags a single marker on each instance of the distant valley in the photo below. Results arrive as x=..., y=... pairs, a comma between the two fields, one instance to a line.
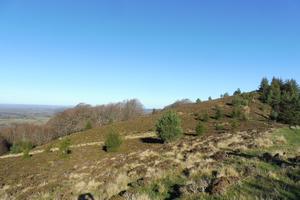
x=19, y=113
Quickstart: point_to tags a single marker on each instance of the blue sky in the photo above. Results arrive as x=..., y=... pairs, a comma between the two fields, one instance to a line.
x=65, y=52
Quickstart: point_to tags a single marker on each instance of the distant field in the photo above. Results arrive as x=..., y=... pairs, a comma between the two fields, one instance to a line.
x=37, y=114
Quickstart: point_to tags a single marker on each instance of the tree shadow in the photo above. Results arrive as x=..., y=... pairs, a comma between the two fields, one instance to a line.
x=151, y=140
x=174, y=193
x=266, y=157
x=86, y=196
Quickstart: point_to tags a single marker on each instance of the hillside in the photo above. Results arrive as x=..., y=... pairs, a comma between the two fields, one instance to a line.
x=246, y=158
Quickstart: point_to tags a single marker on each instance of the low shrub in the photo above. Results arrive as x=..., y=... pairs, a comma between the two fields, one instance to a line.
x=220, y=127
x=205, y=117
x=234, y=124
x=88, y=125
x=112, y=142
x=21, y=146
x=218, y=113
x=64, y=147
x=168, y=127
x=200, y=129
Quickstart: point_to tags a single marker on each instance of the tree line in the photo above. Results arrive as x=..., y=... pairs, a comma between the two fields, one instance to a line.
x=79, y=118
x=283, y=97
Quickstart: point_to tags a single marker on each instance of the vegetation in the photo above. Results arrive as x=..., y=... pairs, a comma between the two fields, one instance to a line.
x=218, y=113
x=64, y=146
x=88, y=125
x=21, y=146
x=168, y=127
x=237, y=92
x=226, y=94
x=205, y=117
x=219, y=127
x=113, y=141
x=72, y=120
x=26, y=153
x=234, y=125
x=283, y=97
x=200, y=129
x=240, y=100
x=198, y=100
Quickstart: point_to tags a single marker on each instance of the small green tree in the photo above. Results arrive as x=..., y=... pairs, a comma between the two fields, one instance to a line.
x=168, y=127
x=64, y=147
x=200, y=129
x=264, y=89
x=205, y=117
x=198, y=100
x=113, y=141
x=21, y=146
x=88, y=125
x=209, y=98
x=218, y=113
x=237, y=92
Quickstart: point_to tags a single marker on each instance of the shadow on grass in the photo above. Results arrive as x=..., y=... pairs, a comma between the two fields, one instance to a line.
x=269, y=188
x=266, y=157
x=151, y=140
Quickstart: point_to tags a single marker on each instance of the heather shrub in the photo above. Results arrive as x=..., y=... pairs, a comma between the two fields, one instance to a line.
x=200, y=129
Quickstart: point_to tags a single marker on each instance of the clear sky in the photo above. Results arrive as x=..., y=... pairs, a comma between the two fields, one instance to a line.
x=66, y=51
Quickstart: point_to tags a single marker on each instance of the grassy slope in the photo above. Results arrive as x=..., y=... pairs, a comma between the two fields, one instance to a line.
x=267, y=181
x=52, y=168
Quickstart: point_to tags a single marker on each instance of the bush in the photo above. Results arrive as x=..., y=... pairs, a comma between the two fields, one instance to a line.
x=168, y=127
x=239, y=101
x=200, y=129
x=234, y=124
x=205, y=117
x=64, y=146
x=237, y=92
x=237, y=112
x=220, y=127
x=198, y=100
x=88, y=125
x=219, y=113
x=112, y=142
x=21, y=146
